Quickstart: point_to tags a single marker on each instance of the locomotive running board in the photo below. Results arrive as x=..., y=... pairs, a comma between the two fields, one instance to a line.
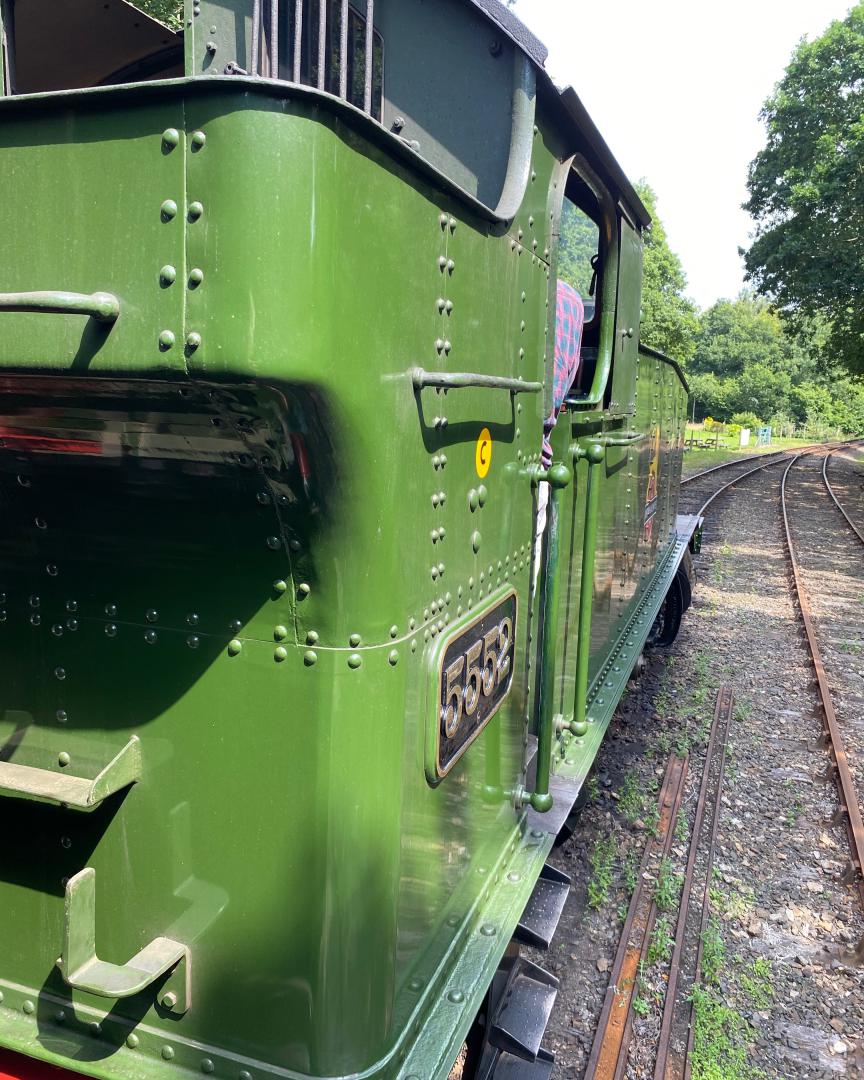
x=543, y=911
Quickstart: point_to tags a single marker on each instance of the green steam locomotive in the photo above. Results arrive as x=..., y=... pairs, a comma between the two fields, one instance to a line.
x=296, y=694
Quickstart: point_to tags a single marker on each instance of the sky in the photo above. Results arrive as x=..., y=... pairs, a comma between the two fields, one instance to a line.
x=675, y=87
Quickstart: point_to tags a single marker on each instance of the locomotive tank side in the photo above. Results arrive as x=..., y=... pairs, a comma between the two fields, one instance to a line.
x=270, y=463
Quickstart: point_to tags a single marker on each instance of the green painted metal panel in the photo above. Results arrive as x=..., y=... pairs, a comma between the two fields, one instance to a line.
x=244, y=548
x=627, y=317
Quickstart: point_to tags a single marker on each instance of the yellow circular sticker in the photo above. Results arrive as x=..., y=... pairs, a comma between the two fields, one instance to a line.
x=483, y=456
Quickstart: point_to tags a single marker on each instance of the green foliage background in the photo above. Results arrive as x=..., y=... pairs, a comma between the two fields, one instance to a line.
x=169, y=12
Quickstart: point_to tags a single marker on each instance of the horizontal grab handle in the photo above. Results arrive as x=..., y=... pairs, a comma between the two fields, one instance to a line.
x=457, y=380
x=102, y=306
x=75, y=791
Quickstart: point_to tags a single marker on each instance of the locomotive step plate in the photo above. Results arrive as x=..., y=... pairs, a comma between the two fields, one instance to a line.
x=474, y=673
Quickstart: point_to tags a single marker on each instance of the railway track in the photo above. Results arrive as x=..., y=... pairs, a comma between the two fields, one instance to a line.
x=839, y=732
x=807, y=517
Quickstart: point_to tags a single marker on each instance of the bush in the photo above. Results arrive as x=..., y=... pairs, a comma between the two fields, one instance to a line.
x=747, y=420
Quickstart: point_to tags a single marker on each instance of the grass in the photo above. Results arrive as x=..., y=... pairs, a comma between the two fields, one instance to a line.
x=713, y=953
x=602, y=861
x=592, y=785
x=666, y=886
x=630, y=869
x=758, y=984
x=720, y=1038
x=681, y=827
x=630, y=801
x=697, y=460
x=660, y=945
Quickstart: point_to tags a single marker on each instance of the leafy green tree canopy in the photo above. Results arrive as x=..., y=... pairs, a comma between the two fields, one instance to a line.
x=807, y=189
x=169, y=12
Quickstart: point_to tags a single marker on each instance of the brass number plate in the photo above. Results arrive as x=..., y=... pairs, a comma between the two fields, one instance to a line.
x=474, y=677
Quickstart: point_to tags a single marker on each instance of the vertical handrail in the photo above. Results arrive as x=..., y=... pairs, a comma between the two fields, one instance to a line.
x=322, y=44
x=594, y=452
x=274, y=39
x=298, y=38
x=558, y=477
x=343, y=53
x=256, y=36
x=370, y=55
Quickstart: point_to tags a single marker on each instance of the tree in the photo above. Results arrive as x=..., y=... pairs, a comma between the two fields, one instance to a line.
x=169, y=12
x=807, y=189
x=669, y=318
x=733, y=334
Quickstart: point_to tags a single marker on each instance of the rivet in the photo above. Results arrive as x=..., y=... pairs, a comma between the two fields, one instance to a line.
x=168, y=210
x=310, y=658
x=355, y=660
x=60, y=673
x=448, y=307
x=207, y=1065
x=168, y=1053
x=442, y=263
x=433, y=571
x=166, y=340
x=169, y=1000
x=170, y=139
x=273, y=543
x=40, y=523
x=354, y=640
x=293, y=544
x=152, y=615
x=193, y=341
x=394, y=631
x=442, y=220
x=453, y=224
x=413, y=645
x=60, y=1016
x=244, y=1075
x=35, y=601
x=110, y=629
x=303, y=591
x=235, y=647
x=451, y=266
x=62, y=716
x=482, y=494
x=513, y=877
x=24, y=481
x=57, y=629
x=28, y=1007
x=72, y=624
x=63, y=759
x=280, y=633
x=198, y=140
x=151, y=637
x=65, y=842
x=488, y=930
x=132, y=1041
x=476, y=539
x=456, y=996
x=312, y=638
x=167, y=275
x=393, y=658
x=439, y=345
x=111, y=609
x=196, y=209
x=442, y=304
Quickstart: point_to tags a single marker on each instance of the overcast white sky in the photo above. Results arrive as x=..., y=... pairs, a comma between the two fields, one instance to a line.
x=676, y=86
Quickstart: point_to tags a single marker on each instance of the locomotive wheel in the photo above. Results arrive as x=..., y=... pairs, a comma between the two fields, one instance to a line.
x=668, y=621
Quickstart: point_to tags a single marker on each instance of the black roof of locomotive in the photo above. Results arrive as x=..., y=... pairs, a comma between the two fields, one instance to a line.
x=572, y=112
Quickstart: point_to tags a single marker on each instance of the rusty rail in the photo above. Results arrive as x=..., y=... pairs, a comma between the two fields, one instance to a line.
x=849, y=805
x=676, y=1034
x=608, y=1057
x=837, y=502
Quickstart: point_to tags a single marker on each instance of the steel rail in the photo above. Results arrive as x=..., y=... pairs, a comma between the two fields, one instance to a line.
x=849, y=805
x=837, y=502
x=608, y=1057
x=672, y=1059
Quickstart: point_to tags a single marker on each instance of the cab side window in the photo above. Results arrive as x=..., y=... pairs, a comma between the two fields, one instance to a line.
x=578, y=254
